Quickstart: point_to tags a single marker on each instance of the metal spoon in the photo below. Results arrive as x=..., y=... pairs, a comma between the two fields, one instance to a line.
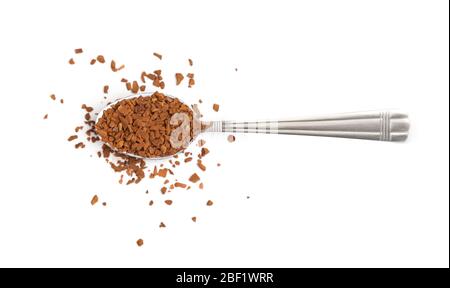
x=381, y=125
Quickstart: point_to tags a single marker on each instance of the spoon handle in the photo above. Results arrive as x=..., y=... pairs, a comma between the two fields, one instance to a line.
x=372, y=125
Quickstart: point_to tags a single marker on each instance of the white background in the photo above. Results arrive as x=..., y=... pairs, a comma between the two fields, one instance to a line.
x=314, y=202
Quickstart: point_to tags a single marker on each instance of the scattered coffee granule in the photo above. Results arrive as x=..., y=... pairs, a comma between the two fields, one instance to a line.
x=45, y=116
x=140, y=242
x=71, y=61
x=180, y=185
x=209, y=203
x=135, y=87
x=71, y=138
x=104, y=204
x=200, y=165
x=87, y=108
x=128, y=85
x=204, y=151
x=124, y=80
x=78, y=50
x=78, y=128
x=101, y=59
x=179, y=77
x=150, y=203
x=79, y=145
x=94, y=200
x=218, y=164
x=231, y=138
x=157, y=55
x=168, y=202
x=190, y=62
x=163, y=190
x=105, y=89
x=194, y=219
x=189, y=159
x=99, y=154
x=87, y=116
x=162, y=225
x=93, y=61
x=114, y=68
x=53, y=97
x=194, y=178
x=201, y=142
x=141, y=125
x=200, y=185
x=142, y=88
x=216, y=107
x=190, y=75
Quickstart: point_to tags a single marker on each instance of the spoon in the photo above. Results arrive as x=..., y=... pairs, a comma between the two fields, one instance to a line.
x=383, y=125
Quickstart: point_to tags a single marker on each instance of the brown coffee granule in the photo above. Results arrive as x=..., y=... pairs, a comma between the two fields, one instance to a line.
x=78, y=128
x=204, y=151
x=45, y=116
x=94, y=200
x=163, y=190
x=157, y=55
x=218, y=165
x=201, y=142
x=142, y=88
x=231, y=138
x=104, y=204
x=162, y=225
x=200, y=185
x=141, y=125
x=113, y=66
x=87, y=108
x=180, y=185
x=190, y=62
x=101, y=59
x=191, y=83
x=194, y=178
x=189, y=159
x=200, y=165
x=80, y=145
x=78, y=50
x=71, y=138
x=216, y=107
x=209, y=203
x=190, y=75
x=168, y=202
x=87, y=116
x=128, y=85
x=71, y=61
x=150, y=203
x=99, y=154
x=124, y=80
x=179, y=77
x=135, y=87
x=140, y=242
x=194, y=219
x=105, y=89
x=93, y=61
x=53, y=97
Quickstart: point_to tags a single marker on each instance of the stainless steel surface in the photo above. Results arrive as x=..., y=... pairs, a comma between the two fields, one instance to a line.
x=372, y=125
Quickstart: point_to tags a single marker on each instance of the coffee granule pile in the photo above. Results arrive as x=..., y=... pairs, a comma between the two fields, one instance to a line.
x=141, y=125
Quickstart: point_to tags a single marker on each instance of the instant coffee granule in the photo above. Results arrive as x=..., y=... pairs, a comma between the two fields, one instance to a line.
x=157, y=55
x=94, y=200
x=78, y=50
x=140, y=242
x=231, y=138
x=216, y=107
